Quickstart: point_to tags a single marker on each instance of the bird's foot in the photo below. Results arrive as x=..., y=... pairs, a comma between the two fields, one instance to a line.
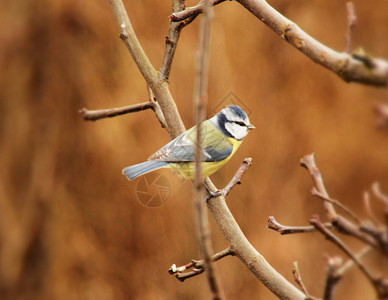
x=215, y=194
x=212, y=194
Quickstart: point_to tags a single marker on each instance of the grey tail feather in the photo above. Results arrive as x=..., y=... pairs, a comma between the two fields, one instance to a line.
x=135, y=171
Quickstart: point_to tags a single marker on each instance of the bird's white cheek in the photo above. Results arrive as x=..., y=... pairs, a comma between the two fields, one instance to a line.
x=237, y=131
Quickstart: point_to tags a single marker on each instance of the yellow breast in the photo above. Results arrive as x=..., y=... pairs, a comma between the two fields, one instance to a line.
x=187, y=170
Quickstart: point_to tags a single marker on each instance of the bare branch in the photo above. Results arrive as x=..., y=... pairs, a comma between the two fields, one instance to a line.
x=336, y=270
x=200, y=101
x=172, y=40
x=275, y=282
x=320, y=195
x=299, y=281
x=282, y=229
x=308, y=162
x=315, y=221
x=130, y=40
x=381, y=111
x=193, y=11
x=351, y=68
x=156, y=107
x=369, y=211
x=247, y=162
x=332, y=279
x=342, y=224
x=197, y=265
x=159, y=87
x=376, y=187
x=350, y=263
x=355, y=67
x=244, y=250
x=94, y=115
x=352, y=20
x=237, y=176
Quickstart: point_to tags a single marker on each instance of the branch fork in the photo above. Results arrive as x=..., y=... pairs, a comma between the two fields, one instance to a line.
x=197, y=266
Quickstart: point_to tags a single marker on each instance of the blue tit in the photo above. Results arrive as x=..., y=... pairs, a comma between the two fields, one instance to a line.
x=222, y=135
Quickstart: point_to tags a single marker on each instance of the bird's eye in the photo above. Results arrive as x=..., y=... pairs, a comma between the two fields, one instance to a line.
x=239, y=123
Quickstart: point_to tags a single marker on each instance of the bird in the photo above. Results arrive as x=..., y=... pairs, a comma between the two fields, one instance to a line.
x=222, y=136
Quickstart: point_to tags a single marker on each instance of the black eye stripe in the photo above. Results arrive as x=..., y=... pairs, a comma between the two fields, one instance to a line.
x=239, y=123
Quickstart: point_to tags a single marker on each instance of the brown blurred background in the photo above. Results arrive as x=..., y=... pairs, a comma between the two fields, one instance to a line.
x=70, y=224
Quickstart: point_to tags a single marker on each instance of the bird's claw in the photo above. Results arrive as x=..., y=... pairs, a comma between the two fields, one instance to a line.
x=215, y=194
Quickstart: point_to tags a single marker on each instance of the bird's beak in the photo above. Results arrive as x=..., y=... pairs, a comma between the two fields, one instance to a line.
x=250, y=127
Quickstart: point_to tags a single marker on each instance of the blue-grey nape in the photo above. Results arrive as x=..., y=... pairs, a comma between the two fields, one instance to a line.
x=238, y=111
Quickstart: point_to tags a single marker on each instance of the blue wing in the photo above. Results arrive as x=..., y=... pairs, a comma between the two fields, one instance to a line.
x=182, y=149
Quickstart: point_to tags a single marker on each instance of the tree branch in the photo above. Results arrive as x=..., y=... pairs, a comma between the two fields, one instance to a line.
x=332, y=279
x=197, y=265
x=94, y=115
x=342, y=224
x=308, y=162
x=377, y=190
x=193, y=11
x=381, y=111
x=172, y=40
x=200, y=102
x=275, y=282
x=352, y=20
x=247, y=162
x=130, y=40
x=283, y=229
x=351, y=68
x=244, y=250
x=155, y=82
x=322, y=196
x=299, y=281
x=315, y=221
x=356, y=67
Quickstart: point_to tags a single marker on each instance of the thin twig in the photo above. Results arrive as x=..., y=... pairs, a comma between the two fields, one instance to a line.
x=320, y=195
x=247, y=162
x=198, y=266
x=308, y=161
x=342, y=224
x=332, y=280
x=352, y=21
x=94, y=115
x=369, y=210
x=336, y=270
x=283, y=229
x=172, y=39
x=299, y=281
x=315, y=221
x=192, y=11
x=200, y=101
x=376, y=186
x=238, y=176
x=350, y=262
